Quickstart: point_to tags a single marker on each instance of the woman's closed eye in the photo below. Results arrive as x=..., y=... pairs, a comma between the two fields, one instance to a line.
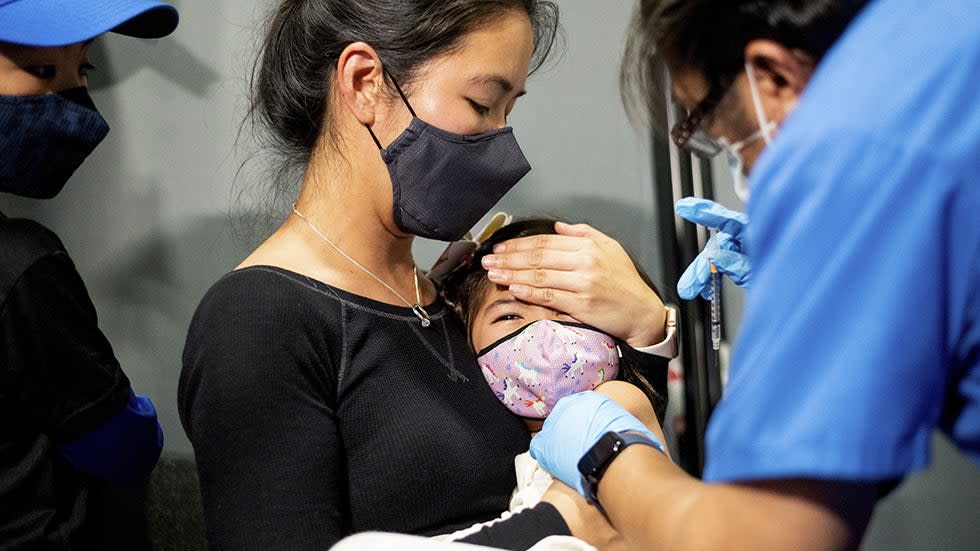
x=480, y=109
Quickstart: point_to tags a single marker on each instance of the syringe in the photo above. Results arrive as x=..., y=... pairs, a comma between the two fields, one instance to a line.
x=712, y=249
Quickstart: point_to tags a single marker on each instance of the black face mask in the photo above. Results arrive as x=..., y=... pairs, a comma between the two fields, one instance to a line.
x=443, y=183
x=44, y=139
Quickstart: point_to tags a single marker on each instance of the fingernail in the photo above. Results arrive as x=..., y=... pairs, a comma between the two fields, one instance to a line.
x=496, y=276
x=498, y=248
x=517, y=290
x=488, y=261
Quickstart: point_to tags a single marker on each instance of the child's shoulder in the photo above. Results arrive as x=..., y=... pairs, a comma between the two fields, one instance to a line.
x=635, y=401
x=627, y=395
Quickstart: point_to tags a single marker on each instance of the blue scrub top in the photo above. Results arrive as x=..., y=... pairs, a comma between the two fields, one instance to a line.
x=861, y=331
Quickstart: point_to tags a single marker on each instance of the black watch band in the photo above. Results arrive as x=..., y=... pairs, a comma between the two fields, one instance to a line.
x=595, y=461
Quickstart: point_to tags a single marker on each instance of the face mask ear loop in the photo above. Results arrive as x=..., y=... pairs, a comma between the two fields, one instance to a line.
x=400, y=93
x=404, y=99
x=373, y=137
x=760, y=115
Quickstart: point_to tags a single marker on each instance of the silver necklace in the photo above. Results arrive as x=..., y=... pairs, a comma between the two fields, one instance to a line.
x=416, y=308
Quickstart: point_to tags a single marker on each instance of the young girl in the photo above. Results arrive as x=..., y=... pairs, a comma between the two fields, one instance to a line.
x=531, y=356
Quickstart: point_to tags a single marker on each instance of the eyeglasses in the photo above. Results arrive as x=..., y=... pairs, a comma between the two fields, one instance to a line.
x=688, y=134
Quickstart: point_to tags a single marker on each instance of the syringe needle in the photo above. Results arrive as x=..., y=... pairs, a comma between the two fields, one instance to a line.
x=713, y=249
x=715, y=308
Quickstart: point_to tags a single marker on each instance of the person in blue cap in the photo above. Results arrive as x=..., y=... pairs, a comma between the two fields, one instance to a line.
x=69, y=419
x=860, y=123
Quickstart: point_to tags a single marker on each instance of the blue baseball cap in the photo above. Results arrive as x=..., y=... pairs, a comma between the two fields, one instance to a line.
x=46, y=23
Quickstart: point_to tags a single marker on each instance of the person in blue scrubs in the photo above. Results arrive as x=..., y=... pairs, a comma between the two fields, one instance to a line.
x=70, y=423
x=859, y=124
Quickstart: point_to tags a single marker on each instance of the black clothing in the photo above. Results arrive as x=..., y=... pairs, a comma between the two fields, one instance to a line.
x=59, y=380
x=315, y=413
x=652, y=369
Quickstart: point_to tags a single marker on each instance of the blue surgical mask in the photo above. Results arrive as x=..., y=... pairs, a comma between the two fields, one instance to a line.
x=443, y=183
x=44, y=139
x=735, y=163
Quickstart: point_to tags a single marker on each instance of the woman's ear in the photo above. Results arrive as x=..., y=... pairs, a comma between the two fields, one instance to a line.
x=781, y=74
x=360, y=81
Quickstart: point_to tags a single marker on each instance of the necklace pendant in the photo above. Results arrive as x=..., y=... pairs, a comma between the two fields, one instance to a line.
x=422, y=315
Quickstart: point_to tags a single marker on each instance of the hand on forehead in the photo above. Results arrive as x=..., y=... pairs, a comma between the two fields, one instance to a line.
x=584, y=273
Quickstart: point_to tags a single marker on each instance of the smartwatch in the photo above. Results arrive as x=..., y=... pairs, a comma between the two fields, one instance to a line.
x=595, y=461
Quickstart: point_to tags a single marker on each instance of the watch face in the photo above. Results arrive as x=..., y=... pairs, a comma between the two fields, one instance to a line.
x=594, y=460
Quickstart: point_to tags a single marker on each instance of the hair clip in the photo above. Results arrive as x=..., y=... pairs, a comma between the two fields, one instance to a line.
x=460, y=253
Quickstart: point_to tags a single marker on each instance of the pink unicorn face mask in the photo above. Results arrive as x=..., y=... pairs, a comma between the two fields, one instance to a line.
x=531, y=369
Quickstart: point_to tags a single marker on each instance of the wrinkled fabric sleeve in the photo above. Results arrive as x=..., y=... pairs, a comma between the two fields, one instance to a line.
x=260, y=414
x=60, y=370
x=521, y=530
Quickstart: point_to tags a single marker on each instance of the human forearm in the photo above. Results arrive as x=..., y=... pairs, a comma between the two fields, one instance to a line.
x=584, y=520
x=664, y=508
x=648, y=515
x=657, y=506
x=650, y=325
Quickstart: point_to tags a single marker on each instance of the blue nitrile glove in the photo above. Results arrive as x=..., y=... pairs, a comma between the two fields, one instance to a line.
x=574, y=425
x=731, y=260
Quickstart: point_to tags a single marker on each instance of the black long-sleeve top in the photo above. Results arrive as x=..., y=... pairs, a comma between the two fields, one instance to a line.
x=59, y=380
x=315, y=413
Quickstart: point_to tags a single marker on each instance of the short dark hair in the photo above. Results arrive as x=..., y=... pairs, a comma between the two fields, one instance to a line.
x=466, y=286
x=709, y=37
x=295, y=64
x=465, y=289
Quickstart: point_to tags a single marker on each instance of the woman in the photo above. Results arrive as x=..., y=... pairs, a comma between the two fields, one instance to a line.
x=833, y=108
x=326, y=389
x=69, y=420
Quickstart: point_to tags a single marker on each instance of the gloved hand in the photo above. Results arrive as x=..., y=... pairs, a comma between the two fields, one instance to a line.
x=731, y=260
x=574, y=425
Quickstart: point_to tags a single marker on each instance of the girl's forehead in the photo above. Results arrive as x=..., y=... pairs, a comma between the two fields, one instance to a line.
x=499, y=299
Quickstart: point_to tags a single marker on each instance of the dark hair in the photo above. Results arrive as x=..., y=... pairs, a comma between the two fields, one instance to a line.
x=295, y=65
x=709, y=37
x=465, y=288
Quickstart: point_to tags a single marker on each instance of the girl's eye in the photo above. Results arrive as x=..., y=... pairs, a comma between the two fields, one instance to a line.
x=480, y=109
x=45, y=72
x=507, y=317
x=85, y=69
